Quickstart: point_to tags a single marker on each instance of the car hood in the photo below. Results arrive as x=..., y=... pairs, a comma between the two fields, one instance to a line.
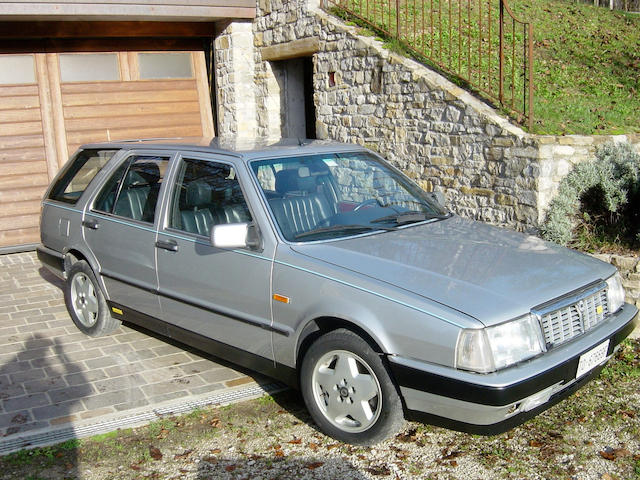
x=489, y=273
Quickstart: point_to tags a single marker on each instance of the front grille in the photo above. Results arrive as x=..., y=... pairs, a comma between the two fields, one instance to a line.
x=562, y=322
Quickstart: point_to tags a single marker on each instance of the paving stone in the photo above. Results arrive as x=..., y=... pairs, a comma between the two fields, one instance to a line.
x=139, y=355
x=209, y=387
x=126, y=369
x=24, y=428
x=162, y=374
x=96, y=413
x=70, y=393
x=119, y=349
x=27, y=401
x=219, y=375
x=15, y=419
x=169, y=360
x=27, y=375
x=113, y=398
x=45, y=384
x=102, y=362
x=118, y=383
x=165, y=397
x=162, y=350
x=85, y=377
x=199, y=366
x=57, y=410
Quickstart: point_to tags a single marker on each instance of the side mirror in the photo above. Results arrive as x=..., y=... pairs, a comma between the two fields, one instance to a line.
x=235, y=235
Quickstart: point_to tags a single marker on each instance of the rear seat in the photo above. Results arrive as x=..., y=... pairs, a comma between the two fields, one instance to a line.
x=198, y=216
x=201, y=213
x=301, y=207
x=140, y=193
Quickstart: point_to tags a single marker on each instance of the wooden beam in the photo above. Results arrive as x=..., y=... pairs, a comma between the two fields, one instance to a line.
x=99, y=45
x=105, y=29
x=204, y=99
x=293, y=49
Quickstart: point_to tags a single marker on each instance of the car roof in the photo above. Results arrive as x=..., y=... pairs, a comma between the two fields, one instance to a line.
x=244, y=148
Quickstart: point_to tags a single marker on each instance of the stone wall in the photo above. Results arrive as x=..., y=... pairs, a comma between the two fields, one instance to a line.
x=629, y=268
x=437, y=133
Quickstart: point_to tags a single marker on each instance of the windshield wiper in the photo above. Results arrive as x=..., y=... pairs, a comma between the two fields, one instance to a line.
x=404, y=218
x=340, y=228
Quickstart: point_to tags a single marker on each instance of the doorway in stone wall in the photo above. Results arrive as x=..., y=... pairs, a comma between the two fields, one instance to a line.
x=297, y=108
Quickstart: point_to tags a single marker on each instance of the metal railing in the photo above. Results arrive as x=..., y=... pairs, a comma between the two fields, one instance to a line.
x=478, y=41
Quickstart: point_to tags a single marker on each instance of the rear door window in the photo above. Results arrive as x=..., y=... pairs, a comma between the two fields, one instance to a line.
x=133, y=189
x=78, y=174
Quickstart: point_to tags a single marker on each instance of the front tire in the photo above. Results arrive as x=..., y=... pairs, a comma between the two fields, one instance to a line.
x=86, y=303
x=349, y=391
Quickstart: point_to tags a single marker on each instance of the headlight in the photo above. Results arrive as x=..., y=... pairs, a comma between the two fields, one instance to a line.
x=615, y=292
x=489, y=349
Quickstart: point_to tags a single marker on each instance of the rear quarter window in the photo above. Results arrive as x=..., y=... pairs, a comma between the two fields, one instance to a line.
x=78, y=174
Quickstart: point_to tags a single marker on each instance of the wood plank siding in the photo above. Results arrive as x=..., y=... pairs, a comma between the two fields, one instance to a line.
x=23, y=173
x=44, y=122
x=104, y=111
x=163, y=10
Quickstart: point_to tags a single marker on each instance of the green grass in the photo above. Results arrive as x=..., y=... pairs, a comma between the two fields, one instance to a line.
x=586, y=59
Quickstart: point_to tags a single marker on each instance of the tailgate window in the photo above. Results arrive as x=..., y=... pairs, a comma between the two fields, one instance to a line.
x=78, y=174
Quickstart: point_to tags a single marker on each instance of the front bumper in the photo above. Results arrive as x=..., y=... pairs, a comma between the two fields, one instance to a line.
x=493, y=403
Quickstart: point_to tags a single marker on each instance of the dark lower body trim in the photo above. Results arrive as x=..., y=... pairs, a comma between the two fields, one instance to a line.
x=51, y=259
x=509, y=423
x=233, y=354
x=496, y=396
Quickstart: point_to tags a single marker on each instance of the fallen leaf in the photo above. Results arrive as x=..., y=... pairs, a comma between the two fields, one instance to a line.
x=230, y=468
x=453, y=463
x=134, y=467
x=314, y=465
x=215, y=450
x=379, y=470
x=215, y=422
x=332, y=446
x=155, y=453
x=279, y=453
x=535, y=443
x=210, y=459
x=313, y=446
x=607, y=455
x=295, y=441
x=183, y=455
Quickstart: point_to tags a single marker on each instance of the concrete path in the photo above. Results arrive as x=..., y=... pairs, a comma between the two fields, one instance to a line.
x=53, y=376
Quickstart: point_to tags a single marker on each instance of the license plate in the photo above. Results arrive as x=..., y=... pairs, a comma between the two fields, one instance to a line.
x=592, y=359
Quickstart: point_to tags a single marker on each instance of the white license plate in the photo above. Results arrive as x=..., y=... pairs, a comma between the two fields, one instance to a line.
x=592, y=359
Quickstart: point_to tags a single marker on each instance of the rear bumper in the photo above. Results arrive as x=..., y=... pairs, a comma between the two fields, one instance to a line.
x=493, y=403
x=52, y=260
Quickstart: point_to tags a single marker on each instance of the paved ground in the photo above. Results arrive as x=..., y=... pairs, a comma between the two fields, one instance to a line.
x=52, y=375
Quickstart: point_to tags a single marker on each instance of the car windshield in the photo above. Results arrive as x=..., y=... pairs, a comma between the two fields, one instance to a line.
x=334, y=195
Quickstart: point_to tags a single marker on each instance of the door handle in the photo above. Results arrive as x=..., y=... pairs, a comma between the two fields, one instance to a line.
x=169, y=245
x=92, y=224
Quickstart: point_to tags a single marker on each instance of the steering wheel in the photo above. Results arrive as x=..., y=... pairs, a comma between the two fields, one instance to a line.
x=364, y=203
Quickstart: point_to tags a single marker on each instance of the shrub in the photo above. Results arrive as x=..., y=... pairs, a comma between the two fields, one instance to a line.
x=598, y=200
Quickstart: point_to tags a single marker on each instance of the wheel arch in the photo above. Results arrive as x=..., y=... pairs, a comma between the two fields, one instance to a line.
x=74, y=254
x=317, y=327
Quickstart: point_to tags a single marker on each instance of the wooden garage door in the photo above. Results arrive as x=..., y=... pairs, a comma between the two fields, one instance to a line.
x=52, y=103
x=23, y=167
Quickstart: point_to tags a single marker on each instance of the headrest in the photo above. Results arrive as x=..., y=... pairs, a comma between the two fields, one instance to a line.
x=295, y=180
x=198, y=193
x=146, y=173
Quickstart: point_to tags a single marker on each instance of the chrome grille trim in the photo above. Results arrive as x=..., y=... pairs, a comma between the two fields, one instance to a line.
x=573, y=315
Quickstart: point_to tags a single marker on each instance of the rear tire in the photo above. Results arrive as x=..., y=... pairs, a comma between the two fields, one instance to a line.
x=86, y=303
x=349, y=391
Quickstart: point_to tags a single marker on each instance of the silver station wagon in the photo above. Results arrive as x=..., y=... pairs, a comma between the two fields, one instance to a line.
x=321, y=265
